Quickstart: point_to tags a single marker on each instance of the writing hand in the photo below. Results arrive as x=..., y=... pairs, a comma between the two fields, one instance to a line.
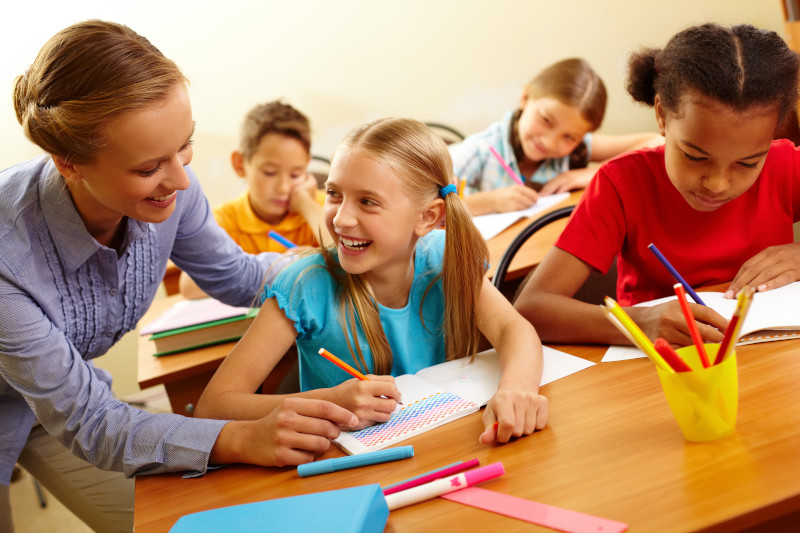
x=666, y=320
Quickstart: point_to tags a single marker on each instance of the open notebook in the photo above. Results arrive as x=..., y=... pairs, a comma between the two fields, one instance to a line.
x=491, y=225
x=773, y=316
x=442, y=393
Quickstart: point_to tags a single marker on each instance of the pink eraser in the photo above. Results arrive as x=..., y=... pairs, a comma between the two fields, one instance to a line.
x=479, y=475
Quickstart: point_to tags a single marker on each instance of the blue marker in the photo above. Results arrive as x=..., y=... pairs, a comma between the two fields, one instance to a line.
x=281, y=239
x=675, y=274
x=354, y=461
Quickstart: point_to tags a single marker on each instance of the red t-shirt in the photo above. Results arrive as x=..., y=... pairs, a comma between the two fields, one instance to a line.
x=631, y=203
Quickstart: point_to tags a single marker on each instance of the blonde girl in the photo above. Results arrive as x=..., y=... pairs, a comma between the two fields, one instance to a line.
x=392, y=296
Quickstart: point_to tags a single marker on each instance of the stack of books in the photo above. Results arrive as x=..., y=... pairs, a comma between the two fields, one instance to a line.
x=193, y=324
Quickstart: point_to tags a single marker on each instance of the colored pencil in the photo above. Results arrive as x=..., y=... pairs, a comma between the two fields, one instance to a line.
x=670, y=356
x=693, y=331
x=461, y=184
x=735, y=325
x=635, y=334
x=341, y=364
x=507, y=168
x=678, y=277
x=274, y=235
x=344, y=366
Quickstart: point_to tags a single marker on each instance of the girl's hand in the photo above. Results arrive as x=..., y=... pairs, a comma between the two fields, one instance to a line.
x=666, y=320
x=771, y=268
x=306, y=187
x=517, y=410
x=373, y=400
x=568, y=181
x=513, y=198
x=295, y=432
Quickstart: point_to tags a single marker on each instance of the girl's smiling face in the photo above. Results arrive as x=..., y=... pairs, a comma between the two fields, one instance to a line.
x=549, y=128
x=373, y=220
x=712, y=152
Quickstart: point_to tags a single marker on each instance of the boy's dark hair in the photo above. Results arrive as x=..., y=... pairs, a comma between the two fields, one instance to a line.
x=740, y=66
x=273, y=117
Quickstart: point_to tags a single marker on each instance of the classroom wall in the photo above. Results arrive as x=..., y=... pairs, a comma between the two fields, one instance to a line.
x=460, y=62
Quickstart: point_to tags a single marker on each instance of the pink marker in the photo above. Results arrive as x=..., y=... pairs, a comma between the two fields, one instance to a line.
x=444, y=485
x=506, y=167
x=427, y=478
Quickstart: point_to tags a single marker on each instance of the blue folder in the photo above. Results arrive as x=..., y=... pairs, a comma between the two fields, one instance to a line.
x=357, y=509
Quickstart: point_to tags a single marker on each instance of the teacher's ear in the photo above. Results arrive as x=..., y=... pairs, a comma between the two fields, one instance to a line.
x=66, y=169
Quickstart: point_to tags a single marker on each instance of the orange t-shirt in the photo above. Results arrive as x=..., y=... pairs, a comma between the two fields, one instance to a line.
x=251, y=233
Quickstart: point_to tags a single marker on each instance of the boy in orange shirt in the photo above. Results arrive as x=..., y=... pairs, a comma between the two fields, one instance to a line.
x=273, y=154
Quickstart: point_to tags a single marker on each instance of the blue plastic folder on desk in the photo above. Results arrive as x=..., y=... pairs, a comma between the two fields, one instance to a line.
x=357, y=509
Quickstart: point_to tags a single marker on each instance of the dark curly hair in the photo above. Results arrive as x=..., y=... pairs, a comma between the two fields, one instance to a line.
x=740, y=66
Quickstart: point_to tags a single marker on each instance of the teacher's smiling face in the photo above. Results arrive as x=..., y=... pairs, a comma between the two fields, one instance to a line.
x=139, y=171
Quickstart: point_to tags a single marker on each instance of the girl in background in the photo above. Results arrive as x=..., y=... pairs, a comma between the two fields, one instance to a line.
x=548, y=141
x=394, y=295
x=718, y=199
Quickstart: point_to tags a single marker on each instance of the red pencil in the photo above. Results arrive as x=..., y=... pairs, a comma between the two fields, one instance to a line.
x=695, y=333
x=670, y=356
x=732, y=331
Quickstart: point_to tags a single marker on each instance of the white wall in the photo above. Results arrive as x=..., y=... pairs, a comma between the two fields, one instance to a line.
x=343, y=62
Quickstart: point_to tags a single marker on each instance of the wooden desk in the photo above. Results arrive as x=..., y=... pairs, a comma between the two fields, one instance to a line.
x=534, y=250
x=612, y=449
x=185, y=375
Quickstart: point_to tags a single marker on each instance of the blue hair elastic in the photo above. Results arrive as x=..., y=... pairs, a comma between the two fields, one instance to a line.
x=447, y=189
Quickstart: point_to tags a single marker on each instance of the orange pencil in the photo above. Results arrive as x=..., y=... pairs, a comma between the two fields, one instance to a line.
x=341, y=364
x=695, y=333
x=344, y=366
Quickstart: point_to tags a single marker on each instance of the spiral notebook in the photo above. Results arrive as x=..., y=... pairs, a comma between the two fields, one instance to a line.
x=442, y=393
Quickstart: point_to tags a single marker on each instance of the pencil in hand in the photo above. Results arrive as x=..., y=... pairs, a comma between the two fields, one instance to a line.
x=344, y=366
x=675, y=274
x=341, y=364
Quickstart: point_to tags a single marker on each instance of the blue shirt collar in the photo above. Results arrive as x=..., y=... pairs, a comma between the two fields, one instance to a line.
x=74, y=243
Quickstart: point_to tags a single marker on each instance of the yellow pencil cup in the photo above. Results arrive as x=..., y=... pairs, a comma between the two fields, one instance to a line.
x=704, y=401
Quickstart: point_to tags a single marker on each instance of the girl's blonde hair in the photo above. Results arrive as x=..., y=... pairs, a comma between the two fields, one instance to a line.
x=421, y=160
x=82, y=77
